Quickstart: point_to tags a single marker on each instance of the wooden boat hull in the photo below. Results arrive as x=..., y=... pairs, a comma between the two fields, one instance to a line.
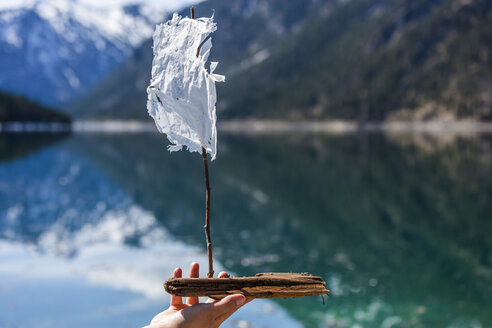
x=263, y=285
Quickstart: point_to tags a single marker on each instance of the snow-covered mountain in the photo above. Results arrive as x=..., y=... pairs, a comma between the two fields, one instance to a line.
x=55, y=50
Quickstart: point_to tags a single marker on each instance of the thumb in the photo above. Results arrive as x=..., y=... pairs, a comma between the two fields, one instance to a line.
x=228, y=305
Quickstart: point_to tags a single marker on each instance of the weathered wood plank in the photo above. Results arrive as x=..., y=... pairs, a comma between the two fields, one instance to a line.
x=263, y=285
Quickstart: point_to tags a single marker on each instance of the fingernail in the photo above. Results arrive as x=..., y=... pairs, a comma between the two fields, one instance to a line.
x=240, y=301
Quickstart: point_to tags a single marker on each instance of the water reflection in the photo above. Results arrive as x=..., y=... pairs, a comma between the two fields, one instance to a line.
x=398, y=225
x=18, y=145
x=77, y=251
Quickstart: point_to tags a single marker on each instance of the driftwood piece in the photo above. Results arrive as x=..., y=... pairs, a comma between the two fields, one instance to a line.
x=263, y=285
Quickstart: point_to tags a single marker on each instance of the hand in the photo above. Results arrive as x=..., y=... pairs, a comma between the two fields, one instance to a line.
x=193, y=314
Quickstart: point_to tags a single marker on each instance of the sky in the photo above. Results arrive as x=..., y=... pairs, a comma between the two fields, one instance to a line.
x=166, y=4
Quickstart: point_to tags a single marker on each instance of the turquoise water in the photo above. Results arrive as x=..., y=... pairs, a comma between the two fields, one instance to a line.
x=399, y=225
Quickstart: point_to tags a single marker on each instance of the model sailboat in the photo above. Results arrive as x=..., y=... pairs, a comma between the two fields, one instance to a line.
x=181, y=99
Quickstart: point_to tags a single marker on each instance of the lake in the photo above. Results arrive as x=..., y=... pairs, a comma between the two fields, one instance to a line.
x=92, y=224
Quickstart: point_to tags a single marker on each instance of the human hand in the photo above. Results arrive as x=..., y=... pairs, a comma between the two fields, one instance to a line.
x=197, y=315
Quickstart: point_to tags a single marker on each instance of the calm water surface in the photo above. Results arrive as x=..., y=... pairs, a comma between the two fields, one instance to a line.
x=399, y=227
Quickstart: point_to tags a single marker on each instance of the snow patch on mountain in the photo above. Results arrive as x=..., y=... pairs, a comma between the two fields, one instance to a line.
x=127, y=26
x=55, y=50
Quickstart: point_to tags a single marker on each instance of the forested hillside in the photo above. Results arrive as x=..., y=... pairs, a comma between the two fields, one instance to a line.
x=393, y=59
x=19, y=109
x=359, y=59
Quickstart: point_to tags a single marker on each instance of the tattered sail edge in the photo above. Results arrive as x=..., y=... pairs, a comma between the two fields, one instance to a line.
x=216, y=77
x=178, y=142
x=173, y=148
x=205, y=37
x=156, y=109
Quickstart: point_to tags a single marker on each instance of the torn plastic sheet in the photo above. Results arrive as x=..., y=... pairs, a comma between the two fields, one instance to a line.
x=182, y=95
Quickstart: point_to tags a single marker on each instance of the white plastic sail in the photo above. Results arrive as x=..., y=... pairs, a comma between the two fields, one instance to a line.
x=181, y=95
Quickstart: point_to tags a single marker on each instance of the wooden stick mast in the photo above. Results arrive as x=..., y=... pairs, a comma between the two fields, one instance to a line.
x=206, y=227
x=207, y=216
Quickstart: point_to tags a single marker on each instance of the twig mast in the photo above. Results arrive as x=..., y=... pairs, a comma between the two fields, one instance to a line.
x=207, y=200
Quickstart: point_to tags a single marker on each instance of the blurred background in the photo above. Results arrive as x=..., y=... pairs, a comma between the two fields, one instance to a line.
x=355, y=143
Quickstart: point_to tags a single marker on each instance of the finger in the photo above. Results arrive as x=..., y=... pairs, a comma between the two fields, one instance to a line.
x=223, y=274
x=227, y=306
x=194, y=273
x=177, y=300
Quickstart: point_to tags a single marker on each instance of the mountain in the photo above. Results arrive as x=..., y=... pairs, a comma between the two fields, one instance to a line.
x=358, y=59
x=20, y=109
x=55, y=50
x=368, y=60
x=247, y=29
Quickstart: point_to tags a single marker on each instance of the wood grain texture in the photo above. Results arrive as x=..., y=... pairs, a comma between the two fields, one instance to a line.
x=263, y=285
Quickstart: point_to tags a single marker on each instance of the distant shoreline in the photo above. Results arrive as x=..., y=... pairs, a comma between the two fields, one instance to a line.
x=34, y=127
x=261, y=127
x=345, y=126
